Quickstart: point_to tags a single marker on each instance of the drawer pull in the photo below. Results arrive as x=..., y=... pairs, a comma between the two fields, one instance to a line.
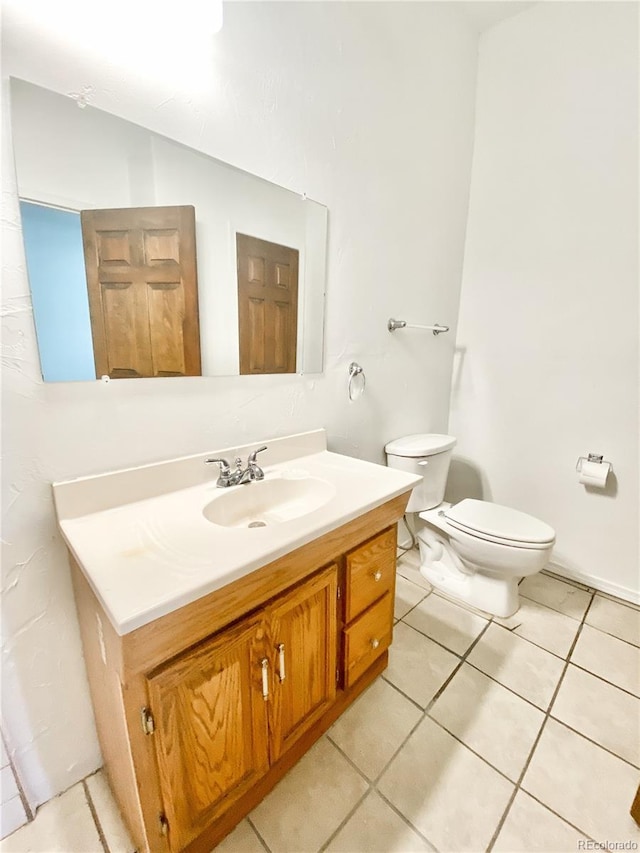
x=375, y=643
x=378, y=576
x=264, y=663
x=280, y=648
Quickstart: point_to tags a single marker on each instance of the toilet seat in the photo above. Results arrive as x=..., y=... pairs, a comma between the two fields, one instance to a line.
x=499, y=524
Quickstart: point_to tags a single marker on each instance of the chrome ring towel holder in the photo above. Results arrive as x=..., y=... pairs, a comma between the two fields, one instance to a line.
x=356, y=370
x=438, y=329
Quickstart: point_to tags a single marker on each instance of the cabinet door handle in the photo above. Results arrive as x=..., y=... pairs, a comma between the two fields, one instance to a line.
x=264, y=663
x=377, y=576
x=280, y=648
x=375, y=643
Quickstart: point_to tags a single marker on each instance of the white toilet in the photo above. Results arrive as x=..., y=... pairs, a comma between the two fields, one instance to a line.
x=476, y=551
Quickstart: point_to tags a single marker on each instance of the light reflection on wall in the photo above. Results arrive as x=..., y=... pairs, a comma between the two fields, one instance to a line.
x=158, y=41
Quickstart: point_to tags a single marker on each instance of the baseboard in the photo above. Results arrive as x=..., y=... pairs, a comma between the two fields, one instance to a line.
x=599, y=584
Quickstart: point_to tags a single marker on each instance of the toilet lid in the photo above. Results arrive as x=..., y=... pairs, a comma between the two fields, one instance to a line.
x=499, y=522
x=420, y=444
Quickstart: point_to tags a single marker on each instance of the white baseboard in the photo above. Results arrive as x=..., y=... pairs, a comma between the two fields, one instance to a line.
x=600, y=584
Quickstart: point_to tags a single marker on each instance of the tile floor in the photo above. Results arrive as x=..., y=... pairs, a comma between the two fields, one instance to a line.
x=518, y=734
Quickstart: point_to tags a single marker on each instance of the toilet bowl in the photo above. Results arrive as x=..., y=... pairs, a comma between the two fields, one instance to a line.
x=476, y=551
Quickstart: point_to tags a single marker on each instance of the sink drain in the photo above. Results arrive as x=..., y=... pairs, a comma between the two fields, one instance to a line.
x=257, y=524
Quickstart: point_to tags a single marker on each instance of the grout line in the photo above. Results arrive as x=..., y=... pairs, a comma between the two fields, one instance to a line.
x=591, y=588
x=559, y=816
x=352, y=763
x=631, y=605
x=595, y=742
x=402, y=693
x=537, y=645
x=429, y=705
x=506, y=687
x=260, y=838
x=606, y=680
x=614, y=636
x=539, y=736
x=570, y=581
x=94, y=815
x=437, y=642
x=413, y=607
x=406, y=820
x=550, y=607
x=471, y=749
x=341, y=826
x=424, y=713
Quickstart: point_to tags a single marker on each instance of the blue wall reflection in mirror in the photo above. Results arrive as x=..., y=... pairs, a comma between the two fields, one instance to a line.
x=55, y=261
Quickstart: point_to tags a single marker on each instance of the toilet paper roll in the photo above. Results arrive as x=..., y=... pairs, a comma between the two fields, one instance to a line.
x=594, y=473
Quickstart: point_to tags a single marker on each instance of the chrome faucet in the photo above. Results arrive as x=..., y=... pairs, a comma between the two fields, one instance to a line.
x=239, y=476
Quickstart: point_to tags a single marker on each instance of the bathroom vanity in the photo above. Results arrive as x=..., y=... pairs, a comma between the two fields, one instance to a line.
x=217, y=651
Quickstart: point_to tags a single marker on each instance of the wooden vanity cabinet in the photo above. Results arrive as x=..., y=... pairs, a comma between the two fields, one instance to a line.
x=201, y=712
x=228, y=709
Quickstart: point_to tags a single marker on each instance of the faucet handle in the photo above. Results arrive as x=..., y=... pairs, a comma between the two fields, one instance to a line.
x=224, y=465
x=253, y=454
x=255, y=471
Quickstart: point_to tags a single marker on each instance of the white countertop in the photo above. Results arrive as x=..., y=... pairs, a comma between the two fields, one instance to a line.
x=149, y=556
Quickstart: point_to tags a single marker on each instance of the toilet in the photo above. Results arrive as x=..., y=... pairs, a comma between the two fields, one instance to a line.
x=475, y=551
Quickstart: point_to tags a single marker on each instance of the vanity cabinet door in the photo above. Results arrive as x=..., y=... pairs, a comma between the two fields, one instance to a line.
x=210, y=727
x=303, y=635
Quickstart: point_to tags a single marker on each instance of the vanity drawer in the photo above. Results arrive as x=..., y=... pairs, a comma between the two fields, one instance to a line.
x=367, y=638
x=371, y=572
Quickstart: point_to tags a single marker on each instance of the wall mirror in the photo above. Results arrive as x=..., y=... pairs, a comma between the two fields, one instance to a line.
x=148, y=258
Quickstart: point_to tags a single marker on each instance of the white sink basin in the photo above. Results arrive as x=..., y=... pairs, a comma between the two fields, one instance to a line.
x=268, y=502
x=154, y=538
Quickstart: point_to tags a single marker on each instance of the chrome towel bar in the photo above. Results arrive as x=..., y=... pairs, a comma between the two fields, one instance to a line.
x=392, y=325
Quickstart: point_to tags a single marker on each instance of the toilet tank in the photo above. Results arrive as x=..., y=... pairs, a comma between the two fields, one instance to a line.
x=426, y=454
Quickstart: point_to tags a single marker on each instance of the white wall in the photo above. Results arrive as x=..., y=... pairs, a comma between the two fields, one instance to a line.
x=366, y=107
x=547, y=367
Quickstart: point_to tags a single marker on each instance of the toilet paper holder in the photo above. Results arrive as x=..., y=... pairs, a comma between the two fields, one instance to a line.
x=592, y=457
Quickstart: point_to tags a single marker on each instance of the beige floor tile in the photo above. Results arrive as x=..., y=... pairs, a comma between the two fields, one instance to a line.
x=374, y=727
x=418, y=666
x=578, y=584
x=489, y=719
x=601, y=712
x=430, y=779
x=409, y=568
x=63, y=825
x=610, y=658
x=618, y=600
x=309, y=804
x=617, y=619
x=543, y=626
x=376, y=828
x=526, y=669
x=584, y=784
x=556, y=594
x=449, y=624
x=243, y=839
x=532, y=828
x=111, y=823
x=408, y=594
